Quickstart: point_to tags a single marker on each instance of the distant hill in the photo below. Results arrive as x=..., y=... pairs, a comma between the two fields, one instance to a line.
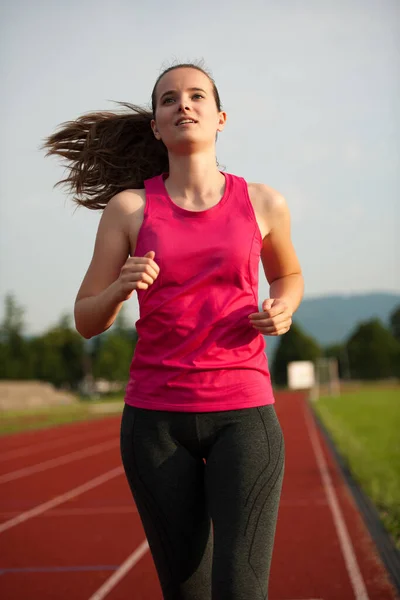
x=331, y=319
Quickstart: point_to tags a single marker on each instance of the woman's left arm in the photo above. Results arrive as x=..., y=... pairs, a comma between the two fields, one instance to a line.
x=281, y=265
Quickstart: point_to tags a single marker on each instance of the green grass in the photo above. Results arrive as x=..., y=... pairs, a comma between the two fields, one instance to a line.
x=40, y=418
x=365, y=427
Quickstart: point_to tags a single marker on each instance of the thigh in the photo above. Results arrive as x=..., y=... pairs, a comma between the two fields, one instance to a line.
x=244, y=476
x=167, y=483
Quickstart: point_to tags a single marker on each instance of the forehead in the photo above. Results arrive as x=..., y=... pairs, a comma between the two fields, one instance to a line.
x=180, y=79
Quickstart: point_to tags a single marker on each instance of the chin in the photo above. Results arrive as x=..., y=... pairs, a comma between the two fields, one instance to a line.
x=186, y=144
x=189, y=140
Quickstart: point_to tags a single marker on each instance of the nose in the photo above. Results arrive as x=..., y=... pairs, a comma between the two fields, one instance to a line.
x=183, y=104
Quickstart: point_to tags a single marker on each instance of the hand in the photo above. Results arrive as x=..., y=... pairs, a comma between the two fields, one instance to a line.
x=138, y=273
x=275, y=319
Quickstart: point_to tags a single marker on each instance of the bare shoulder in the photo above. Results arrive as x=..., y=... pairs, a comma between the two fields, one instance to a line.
x=126, y=202
x=267, y=200
x=269, y=206
x=125, y=212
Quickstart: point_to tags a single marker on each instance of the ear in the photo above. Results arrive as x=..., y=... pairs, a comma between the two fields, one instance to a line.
x=155, y=130
x=221, y=121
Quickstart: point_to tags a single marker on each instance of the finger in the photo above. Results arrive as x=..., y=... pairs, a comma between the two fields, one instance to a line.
x=273, y=333
x=129, y=288
x=155, y=266
x=151, y=269
x=274, y=328
x=280, y=332
x=134, y=266
x=275, y=322
x=269, y=314
x=267, y=304
x=257, y=316
x=152, y=264
x=277, y=309
x=145, y=278
x=151, y=255
x=133, y=278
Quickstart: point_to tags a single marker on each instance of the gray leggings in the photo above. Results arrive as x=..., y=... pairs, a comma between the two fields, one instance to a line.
x=207, y=488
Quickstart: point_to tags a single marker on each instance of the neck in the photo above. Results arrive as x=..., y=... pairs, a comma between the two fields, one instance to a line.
x=194, y=176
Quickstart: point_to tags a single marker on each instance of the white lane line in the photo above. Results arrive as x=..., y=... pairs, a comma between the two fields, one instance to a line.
x=64, y=441
x=56, y=462
x=126, y=566
x=41, y=508
x=357, y=582
x=72, y=512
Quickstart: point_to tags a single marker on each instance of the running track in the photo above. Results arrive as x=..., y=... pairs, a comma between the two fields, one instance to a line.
x=69, y=528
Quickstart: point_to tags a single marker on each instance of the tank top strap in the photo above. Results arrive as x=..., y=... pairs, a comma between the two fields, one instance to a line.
x=154, y=190
x=241, y=190
x=242, y=198
x=154, y=185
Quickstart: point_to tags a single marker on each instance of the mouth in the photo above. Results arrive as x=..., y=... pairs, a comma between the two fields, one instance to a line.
x=181, y=122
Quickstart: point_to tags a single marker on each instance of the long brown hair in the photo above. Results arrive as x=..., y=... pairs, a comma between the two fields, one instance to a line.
x=107, y=152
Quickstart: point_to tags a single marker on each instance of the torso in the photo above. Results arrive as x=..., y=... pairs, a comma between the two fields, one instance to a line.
x=196, y=349
x=137, y=200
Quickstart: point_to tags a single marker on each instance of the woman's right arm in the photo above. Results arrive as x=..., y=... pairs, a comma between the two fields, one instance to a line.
x=112, y=275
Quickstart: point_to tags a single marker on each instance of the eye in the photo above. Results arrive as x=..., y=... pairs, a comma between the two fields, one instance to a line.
x=197, y=96
x=167, y=100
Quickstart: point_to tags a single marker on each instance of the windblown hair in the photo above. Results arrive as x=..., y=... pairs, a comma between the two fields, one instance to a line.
x=108, y=152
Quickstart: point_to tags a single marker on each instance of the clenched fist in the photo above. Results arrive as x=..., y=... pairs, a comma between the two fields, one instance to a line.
x=275, y=319
x=138, y=273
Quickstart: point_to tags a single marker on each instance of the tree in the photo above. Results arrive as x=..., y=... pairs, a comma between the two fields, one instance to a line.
x=394, y=320
x=294, y=345
x=373, y=351
x=109, y=354
x=113, y=358
x=339, y=351
x=14, y=350
x=13, y=322
x=59, y=355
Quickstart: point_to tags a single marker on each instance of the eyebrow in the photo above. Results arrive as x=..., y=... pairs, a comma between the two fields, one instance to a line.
x=193, y=89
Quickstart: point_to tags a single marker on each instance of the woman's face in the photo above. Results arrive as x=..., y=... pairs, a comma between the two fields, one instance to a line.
x=186, y=117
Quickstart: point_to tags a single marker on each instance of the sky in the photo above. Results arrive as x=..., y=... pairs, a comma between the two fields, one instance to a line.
x=311, y=89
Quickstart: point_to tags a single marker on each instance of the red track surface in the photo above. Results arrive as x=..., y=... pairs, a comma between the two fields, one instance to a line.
x=72, y=547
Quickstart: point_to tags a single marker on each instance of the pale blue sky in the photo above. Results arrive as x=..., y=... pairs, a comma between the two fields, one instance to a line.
x=311, y=89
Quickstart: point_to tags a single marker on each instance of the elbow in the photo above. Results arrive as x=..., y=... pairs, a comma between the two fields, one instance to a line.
x=88, y=323
x=87, y=336
x=86, y=329
x=82, y=330
x=81, y=324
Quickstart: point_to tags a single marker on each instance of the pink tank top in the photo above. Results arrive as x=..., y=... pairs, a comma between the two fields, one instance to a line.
x=196, y=350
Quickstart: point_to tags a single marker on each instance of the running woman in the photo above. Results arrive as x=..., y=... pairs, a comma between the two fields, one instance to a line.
x=201, y=444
